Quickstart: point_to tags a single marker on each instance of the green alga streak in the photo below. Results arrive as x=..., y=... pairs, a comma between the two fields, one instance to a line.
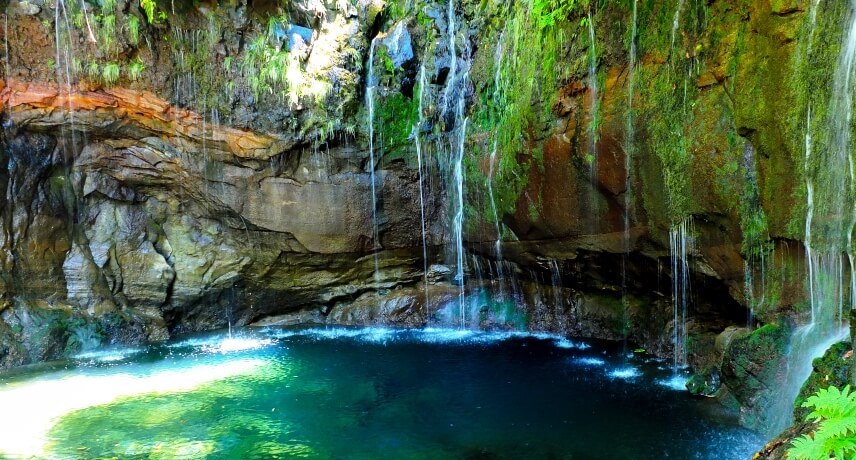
x=515, y=115
x=666, y=107
x=395, y=117
x=667, y=99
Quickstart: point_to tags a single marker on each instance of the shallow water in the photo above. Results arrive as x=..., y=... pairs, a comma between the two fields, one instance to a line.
x=364, y=394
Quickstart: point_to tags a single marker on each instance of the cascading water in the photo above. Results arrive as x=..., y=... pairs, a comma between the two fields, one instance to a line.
x=458, y=222
x=371, y=87
x=418, y=136
x=676, y=22
x=828, y=229
x=629, y=147
x=497, y=81
x=592, y=77
x=454, y=107
x=556, y=281
x=680, y=247
x=757, y=254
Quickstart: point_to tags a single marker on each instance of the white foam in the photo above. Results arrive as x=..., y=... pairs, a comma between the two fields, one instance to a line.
x=675, y=382
x=589, y=361
x=232, y=344
x=107, y=356
x=31, y=408
x=220, y=344
x=625, y=373
x=428, y=335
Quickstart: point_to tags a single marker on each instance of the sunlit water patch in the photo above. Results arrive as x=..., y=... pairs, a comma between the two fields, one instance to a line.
x=32, y=406
x=364, y=394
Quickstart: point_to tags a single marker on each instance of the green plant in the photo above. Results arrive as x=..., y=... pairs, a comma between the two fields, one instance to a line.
x=266, y=67
x=135, y=69
x=835, y=411
x=548, y=13
x=133, y=29
x=110, y=73
x=149, y=8
x=108, y=30
x=93, y=70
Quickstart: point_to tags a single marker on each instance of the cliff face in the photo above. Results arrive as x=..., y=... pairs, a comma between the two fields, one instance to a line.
x=226, y=163
x=128, y=217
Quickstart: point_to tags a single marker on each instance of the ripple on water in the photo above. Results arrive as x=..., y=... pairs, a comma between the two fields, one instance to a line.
x=427, y=335
x=107, y=355
x=377, y=392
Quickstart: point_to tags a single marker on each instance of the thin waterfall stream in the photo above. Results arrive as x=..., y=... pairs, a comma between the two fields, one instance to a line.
x=680, y=248
x=417, y=130
x=371, y=87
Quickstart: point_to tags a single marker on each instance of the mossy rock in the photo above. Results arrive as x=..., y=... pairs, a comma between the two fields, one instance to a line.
x=706, y=383
x=833, y=369
x=752, y=370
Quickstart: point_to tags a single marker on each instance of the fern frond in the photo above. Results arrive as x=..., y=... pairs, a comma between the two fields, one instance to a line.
x=835, y=436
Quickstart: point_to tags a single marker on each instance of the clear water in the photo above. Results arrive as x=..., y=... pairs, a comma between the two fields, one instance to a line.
x=364, y=394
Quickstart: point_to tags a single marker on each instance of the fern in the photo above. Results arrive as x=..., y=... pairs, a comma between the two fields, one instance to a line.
x=134, y=30
x=149, y=8
x=548, y=13
x=110, y=73
x=835, y=436
x=135, y=69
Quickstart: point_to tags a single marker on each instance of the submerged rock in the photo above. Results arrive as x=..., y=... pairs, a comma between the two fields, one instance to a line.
x=704, y=384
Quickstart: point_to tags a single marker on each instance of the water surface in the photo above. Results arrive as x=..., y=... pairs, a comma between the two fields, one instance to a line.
x=364, y=394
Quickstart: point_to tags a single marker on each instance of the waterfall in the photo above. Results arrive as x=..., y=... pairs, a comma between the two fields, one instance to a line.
x=497, y=82
x=556, y=281
x=453, y=64
x=629, y=139
x=458, y=222
x=454, y=106
x=754, y=247
x=371, y=86
x=830, y=219
x=825, y=250
x=680, y=247
x=418, y=136
x=592, y=76
x=676, y=22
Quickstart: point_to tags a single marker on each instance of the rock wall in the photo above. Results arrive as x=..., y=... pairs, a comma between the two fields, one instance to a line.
x=212, y=164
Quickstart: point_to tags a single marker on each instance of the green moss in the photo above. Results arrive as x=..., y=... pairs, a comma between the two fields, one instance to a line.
x=514, y=100
x=395, y=117
x=833, y=369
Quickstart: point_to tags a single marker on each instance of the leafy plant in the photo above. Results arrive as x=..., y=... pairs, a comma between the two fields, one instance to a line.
x=93, y=70
x=133, y=29
x=149, y=8
x=548, y=13
x=835, y=410
x=108, y=30
x=135, y=69
x=110, y=73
